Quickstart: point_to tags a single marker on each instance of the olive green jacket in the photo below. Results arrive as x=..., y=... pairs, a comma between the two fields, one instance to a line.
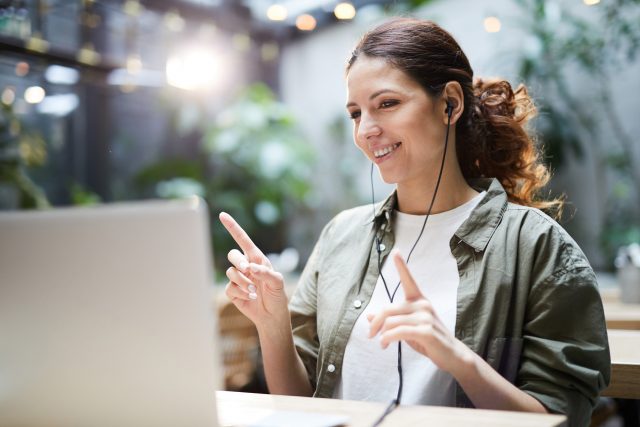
x=527, y=300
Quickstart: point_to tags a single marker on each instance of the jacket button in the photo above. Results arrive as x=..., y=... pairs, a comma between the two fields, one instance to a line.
x=357, y=303
x=331, y=367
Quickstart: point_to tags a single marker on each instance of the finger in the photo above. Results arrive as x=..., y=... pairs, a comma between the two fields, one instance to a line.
x=242, y=238
x=412, y=319
x=233, y=292
x=241, y=280
x=405, y=333
x=378, y=320
x=270, y=277
x=238, y=260
x=411, y=290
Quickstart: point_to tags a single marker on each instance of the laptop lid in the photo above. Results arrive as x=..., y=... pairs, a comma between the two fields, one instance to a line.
x=105, y=316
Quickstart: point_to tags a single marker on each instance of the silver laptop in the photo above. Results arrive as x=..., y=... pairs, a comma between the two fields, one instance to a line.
x=105, y=317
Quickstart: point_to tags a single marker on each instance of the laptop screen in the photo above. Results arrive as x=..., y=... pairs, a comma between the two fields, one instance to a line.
x=105, y=316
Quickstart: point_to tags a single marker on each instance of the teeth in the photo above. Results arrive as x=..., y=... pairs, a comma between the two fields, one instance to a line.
x=383, y=151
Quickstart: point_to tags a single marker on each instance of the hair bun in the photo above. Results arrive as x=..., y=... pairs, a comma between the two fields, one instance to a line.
x=496, y=97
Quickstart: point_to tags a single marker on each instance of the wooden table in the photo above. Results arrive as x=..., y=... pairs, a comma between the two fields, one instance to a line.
x=619, y=315
x=238, y=409
x=625, y=364
x=622, y=316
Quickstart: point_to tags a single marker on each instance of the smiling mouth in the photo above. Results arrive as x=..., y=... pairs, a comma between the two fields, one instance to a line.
x=384, y=151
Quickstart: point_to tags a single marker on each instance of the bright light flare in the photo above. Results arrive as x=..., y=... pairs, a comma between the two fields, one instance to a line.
x=591, y=2
x=344, y=11
x=34, y=94
x=58, y=74
x=277, y=12
x=193, y=69
x=59, y=105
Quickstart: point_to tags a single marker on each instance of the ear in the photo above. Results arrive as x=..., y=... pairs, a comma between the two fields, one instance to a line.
x=452, y=99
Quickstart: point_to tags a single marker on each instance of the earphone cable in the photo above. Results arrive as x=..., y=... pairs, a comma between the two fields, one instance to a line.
x=433, y=199
x=396, y=402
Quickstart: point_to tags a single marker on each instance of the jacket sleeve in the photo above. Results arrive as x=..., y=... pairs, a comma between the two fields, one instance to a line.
x=565, y=360
x=303, y=308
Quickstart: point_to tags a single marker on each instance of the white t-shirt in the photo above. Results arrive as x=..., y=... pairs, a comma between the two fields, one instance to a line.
x=369, y=372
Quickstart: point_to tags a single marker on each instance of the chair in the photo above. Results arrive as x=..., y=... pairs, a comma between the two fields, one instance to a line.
x=240, y=347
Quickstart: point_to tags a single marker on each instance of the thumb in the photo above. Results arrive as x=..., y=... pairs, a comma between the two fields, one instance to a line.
x=411, y=291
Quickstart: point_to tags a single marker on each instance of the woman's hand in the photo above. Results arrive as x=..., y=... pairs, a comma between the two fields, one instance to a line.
x=258, y=292
x=416, y=322
x=254, y=287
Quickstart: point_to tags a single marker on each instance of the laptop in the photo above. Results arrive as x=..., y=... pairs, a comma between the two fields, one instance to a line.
x=106, y=318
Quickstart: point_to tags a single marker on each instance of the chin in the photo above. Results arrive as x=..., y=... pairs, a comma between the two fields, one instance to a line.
x=388, y=178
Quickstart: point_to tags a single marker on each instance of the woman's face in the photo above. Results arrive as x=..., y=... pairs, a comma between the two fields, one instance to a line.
x=395, y=122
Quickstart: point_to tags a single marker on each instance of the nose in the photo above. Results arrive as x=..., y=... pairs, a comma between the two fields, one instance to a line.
x=368, y=127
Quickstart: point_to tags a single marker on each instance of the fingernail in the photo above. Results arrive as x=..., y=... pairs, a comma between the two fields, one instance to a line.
x=244, y=265
x=252, y=288
x=254, y=268
x=253, y=295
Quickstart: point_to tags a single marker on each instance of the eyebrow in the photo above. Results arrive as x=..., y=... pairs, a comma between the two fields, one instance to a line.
x=373, y=95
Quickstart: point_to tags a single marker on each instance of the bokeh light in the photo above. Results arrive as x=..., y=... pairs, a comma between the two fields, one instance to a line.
x=344, y=11
x=8, y=96
x=492, y=24
x=306, y=22
x=195, y=68
x=34, y=94
x=277, y=12
x=22, y=69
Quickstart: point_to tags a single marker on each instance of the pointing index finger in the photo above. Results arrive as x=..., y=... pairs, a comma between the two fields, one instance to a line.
x=242, y=238
x=411, y=290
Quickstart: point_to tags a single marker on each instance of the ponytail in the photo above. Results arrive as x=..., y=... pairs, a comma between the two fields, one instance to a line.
x=495, y=142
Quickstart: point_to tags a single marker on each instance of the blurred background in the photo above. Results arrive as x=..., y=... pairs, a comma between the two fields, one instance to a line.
x=242, y=102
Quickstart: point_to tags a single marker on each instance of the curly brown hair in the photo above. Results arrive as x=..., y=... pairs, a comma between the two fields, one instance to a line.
x=492, y=138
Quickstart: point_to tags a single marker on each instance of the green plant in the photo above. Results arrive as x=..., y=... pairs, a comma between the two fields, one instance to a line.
x=20, y=149
x=81, y=196
x=251, y=162
x=259, y=163
x=573, y=119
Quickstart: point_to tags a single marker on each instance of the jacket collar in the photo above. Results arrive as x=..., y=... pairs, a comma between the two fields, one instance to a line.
x=385, y=208
x=477, y=230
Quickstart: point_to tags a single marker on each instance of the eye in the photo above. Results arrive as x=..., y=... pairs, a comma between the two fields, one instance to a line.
x=388, y=103
x=354, y=114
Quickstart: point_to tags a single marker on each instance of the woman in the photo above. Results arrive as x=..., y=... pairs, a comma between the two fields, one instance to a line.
x=498, y=308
